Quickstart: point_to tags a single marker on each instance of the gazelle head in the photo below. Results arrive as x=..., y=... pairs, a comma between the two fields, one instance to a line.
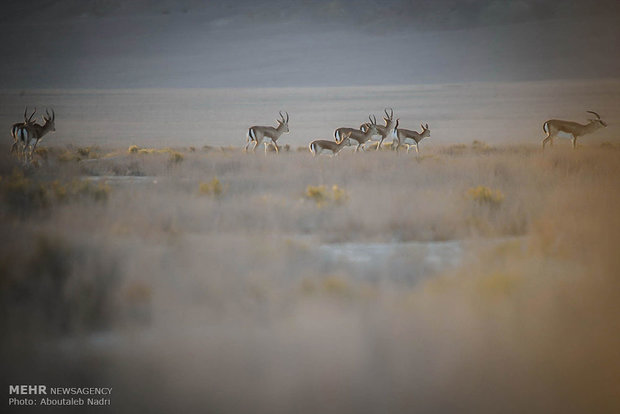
x=370, y=127
x=388, y=116
x=426, y=132
x=390, y=124
x=283, y=122
x=50, y=120
x=598, y=121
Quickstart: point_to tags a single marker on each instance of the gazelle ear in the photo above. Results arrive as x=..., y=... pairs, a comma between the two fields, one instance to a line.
x=426, y=126
x=422, y=126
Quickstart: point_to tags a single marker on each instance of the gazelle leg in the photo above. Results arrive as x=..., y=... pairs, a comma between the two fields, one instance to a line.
x=256, y=144
x=379, y=145
x=547, y=138
x=276, y=146
x=358, y=147
x=34, y=148
x=417, y=149
x=574, y=142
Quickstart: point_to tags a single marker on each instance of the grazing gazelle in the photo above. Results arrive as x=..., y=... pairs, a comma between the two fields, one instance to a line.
x=361, y=135
x=30, y=134
x=553, y=126
x=256, y=134
x=15, y=127
x=320, y=145
x=416, y=137
x=388, y=129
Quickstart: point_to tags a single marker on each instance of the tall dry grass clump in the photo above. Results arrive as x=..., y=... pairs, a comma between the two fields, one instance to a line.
x=212, y=188
x=485, y=196
x=322, y=196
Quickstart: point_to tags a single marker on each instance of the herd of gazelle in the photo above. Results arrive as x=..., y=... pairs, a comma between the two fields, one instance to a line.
x=343, y=136
x=400, y=136
x=27, y=134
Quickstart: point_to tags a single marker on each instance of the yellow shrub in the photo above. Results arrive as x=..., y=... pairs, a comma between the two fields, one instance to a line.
x=212, y=188
x=339, y=195
x=485, y=196
x=317, y=193
x=68, y=156
x=175, y=157
x=322, y=196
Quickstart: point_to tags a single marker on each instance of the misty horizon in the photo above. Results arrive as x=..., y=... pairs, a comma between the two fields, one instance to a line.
x=146, y=44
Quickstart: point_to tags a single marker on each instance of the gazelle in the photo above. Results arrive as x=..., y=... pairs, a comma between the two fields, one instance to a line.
x=388, y=129
x=31, y=134
x=407, y=134
x=554, y=126
x=361, y=135
x=15, y=128
x=320, y=145
x=256, y=134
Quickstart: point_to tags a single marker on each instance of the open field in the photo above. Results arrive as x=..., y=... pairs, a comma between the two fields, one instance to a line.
x=497, y=113
x=473, y=278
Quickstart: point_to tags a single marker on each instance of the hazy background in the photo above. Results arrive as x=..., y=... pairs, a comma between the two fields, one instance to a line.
x=190, y=43
x=166, y=73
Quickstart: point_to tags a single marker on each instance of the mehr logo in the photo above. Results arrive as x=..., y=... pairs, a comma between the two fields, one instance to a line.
x=27, y=389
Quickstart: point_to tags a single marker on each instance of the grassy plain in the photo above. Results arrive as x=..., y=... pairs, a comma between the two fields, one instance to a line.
x=191, y=279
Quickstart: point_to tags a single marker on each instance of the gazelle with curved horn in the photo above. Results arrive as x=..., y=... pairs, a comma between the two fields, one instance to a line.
x=414, y=136
x=554, y=126
x=31, y=134
x=320, y=145
x=15, y=128
x=361, y=135
x=256, y=134
x=389, y=128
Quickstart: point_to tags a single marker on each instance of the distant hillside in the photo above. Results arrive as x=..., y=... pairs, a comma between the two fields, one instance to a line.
x=421, y=13
x=191, y=43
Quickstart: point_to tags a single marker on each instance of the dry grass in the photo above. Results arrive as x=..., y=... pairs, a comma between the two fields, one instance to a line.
x=322, y=196
x=213, y=188
x=226, y=296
